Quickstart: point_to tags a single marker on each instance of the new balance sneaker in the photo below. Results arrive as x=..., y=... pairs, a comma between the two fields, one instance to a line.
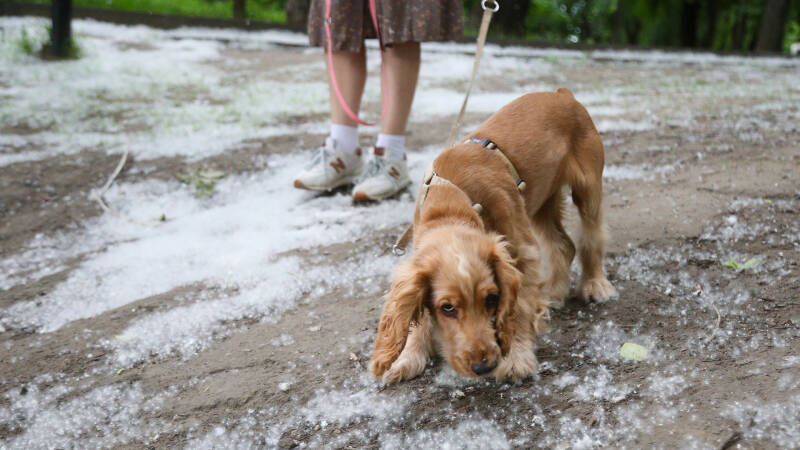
x=330, y=168
x=383, y=177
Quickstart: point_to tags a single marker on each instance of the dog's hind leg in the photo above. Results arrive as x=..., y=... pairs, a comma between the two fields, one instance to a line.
x=415, y=354
x=557, y=247
x=586, y=181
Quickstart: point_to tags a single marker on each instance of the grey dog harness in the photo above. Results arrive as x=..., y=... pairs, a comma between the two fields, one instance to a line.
x=431, y=178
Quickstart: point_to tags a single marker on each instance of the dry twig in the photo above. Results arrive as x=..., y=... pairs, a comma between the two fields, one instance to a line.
x=716, y=326
x=99, y=196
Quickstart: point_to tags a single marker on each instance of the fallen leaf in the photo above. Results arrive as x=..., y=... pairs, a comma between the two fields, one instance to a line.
x=633, y=352
x=740, y=267
x=732, y=264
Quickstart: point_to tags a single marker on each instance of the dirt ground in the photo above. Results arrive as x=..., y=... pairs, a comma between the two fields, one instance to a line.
x=682, y=201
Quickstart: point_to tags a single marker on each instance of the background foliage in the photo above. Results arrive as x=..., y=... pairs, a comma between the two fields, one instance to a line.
x=724, y=25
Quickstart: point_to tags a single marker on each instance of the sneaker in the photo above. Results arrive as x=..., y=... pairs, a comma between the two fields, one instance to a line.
x=330, y=168
x=383, y=177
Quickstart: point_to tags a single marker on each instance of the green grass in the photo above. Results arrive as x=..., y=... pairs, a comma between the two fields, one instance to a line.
x=792, y=34
x=26, y=44
x=267, y=11
x=73, y=50
x=203, y=182
x=32, y=44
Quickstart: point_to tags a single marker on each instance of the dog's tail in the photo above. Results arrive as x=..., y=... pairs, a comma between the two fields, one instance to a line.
x=565, y=91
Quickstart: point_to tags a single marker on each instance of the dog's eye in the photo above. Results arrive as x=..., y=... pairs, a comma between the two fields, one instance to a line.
x=449, y=310
x=491, y=301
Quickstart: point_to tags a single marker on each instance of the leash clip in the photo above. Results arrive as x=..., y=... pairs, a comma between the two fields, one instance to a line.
x=494, y=9
x=397, y=251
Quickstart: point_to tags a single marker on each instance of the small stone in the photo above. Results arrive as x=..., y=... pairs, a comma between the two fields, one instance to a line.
x=314, y=329
x=286, y=442
x=457, y=394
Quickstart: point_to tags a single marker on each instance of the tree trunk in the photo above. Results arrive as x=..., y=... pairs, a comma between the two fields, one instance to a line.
x=633, y=27
x=510, y=19
x=689, y=11
x=61, y=31
x=239, y=9
x=773, y=23
x=711, y=24
x=587, y=31
x=619, y=23
x=297, y=13
x=737, y=34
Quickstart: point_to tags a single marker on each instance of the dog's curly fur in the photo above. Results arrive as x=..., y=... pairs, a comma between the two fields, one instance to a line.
x=478, y=288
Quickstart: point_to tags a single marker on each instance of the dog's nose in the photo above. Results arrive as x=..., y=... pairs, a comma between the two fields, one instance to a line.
x=483, y=367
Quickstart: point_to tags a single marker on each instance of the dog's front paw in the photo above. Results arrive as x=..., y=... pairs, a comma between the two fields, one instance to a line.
x=598, y=289
x=405, y=368
x=519, y=363
x=557, y=294
x=379, y=366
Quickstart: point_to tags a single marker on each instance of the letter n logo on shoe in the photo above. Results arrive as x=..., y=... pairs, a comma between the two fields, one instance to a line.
x=394, y=173
x=338, y=165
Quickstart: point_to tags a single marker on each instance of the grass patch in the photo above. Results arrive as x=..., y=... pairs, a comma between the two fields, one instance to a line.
x=203, y=182
x=73, y=50
x=31, y=44
x=26, y=44
x=266, y=11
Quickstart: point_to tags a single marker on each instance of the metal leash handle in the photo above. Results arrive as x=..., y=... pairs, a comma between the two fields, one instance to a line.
x=494, y=9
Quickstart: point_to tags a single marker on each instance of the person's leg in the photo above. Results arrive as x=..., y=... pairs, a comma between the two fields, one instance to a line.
x=386, y=174
x=339, y=163
x=401, y=63
x=351, y=74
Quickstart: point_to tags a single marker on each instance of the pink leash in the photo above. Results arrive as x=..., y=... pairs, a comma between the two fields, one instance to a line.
x=334, y=82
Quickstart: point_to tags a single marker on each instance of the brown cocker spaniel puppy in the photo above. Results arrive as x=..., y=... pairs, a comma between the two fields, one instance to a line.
x=490, y=253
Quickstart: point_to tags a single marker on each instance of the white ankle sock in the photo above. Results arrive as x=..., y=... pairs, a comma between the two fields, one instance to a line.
x=346, y=137
x=395, y=143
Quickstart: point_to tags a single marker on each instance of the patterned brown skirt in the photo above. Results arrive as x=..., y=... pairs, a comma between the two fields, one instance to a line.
x=398, y=21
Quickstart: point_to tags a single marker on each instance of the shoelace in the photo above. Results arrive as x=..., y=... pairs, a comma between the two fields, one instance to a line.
x=322, y=156
x=375, y=166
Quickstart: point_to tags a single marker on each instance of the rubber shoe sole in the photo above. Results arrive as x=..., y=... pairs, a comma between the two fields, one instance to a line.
x=360, y=196
x=343, y=182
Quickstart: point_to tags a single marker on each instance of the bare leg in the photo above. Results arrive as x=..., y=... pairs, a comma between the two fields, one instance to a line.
x=401, y=63
x=351, y=73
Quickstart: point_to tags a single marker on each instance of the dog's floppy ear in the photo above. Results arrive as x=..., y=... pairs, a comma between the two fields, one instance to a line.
x=508, y=280
x=404, y=306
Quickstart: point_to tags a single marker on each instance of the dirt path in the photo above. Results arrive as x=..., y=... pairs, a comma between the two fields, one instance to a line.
x=247, y=319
